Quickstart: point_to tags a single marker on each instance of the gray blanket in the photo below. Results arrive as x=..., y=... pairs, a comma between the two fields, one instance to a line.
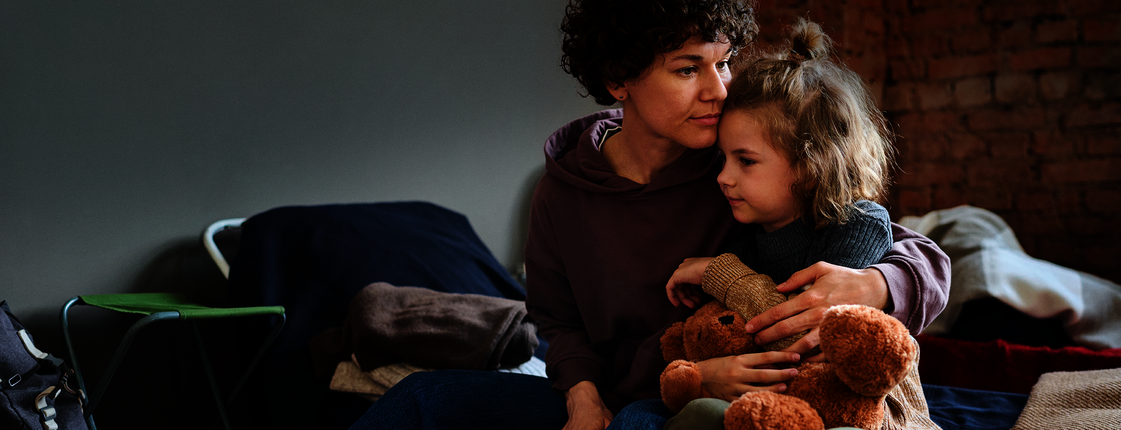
x=987, y=261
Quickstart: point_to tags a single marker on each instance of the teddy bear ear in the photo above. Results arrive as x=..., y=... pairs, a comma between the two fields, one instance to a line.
x=673, y=342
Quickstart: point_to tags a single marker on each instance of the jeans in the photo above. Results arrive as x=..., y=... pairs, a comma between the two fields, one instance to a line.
x=467, y=399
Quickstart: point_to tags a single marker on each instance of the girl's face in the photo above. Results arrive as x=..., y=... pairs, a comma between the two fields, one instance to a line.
x=756, y=178
x=677, y=100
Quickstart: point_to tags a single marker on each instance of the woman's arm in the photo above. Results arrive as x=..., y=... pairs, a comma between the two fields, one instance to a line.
x=911, y=283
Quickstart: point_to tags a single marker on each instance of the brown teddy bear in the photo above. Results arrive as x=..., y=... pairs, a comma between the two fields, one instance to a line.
x=867, y=354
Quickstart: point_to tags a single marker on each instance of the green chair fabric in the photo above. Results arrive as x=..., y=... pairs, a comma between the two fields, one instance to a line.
x=149, y=303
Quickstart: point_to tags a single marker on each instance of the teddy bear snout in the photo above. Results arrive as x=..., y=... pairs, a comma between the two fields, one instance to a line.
x=727, y=319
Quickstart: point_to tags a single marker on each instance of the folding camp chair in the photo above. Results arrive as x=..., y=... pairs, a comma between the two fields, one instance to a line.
x=168, y=306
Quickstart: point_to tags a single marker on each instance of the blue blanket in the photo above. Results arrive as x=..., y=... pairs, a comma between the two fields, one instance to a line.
x=312, y=260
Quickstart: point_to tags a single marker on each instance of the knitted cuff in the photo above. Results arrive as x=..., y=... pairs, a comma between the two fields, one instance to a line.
x=740, y=288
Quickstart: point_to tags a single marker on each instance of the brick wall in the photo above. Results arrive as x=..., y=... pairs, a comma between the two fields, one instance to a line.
x=1012, y=106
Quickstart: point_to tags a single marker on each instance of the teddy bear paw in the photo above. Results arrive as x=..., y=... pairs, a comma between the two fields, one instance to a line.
x=765, y=410
x=681, y=384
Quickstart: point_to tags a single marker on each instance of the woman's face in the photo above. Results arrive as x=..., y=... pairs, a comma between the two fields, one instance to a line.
x=756, y=178
x=679, y=97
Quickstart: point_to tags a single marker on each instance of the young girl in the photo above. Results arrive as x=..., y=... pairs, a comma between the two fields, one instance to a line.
x=806, y=155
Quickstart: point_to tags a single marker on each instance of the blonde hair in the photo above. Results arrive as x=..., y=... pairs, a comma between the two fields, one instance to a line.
x=821, y=116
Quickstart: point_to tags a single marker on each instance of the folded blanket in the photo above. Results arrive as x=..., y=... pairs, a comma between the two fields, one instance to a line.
x=388, y=324
x=1074, y=400
x=988, y=261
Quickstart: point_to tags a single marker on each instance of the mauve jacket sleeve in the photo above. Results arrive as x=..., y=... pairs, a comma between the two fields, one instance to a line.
x=918, y=278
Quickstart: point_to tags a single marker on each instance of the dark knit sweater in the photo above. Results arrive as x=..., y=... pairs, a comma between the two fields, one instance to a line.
x=858, y=243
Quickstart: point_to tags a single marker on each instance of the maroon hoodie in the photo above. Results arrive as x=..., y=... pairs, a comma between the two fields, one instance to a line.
x=602, y=247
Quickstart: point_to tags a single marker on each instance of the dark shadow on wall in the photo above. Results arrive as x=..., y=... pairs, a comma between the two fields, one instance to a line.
x=521, y=224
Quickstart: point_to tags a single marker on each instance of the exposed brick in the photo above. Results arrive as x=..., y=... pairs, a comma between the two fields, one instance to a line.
x=928, y=147
x=1099, y=56
x=908, y=69
x=1101, y=86
x=959, y=67
x=964, y=146
x=971, y=41
x=1084, y=225
x=1106, y=201
x=990, y=197
x=930, y=45
x=1097, y=170
x=942, y=19
x=1093, y=7
x=1019, y=10
x=1037, y=223
x=948, y=197
x=899, y=97
x=1008, y=144
x=1035, y=201
x=915, y=199
x=1101, y=29
x=896, y=7
x=1014, y=88
x=927, y=173
x=1058, y=85
x=1070, y=201
x=973, y=91
x=940, y=122
x=1059, y=31
x=1104, y=143
x=1022, y=119
x=1052, y=144
x=1089, y=115
x=973, y=4
x=1004, y=172
x=896, y=45
x=1016, y=36
x=933, y=96
x=1042, y=58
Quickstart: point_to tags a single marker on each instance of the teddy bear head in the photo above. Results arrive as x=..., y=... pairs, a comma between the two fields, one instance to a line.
x=713, y=331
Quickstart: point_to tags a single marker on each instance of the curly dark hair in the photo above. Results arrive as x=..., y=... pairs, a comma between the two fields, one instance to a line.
x=616, y=40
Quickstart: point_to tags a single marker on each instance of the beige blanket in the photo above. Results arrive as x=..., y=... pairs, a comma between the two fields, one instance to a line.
x=1074, y=400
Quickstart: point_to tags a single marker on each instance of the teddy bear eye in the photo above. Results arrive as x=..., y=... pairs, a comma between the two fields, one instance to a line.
x=726, y=319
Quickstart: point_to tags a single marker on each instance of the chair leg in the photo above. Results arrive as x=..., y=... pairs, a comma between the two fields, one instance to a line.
x=210, y=376
x=256, y=359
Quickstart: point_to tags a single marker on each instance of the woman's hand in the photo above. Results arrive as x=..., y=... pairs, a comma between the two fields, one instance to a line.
x=684, y=285
x=829, y=285
x=586, y=410
x=729, y=377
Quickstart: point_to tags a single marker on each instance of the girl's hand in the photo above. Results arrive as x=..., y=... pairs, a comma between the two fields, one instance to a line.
x=684, y=285
x=586, y=410
x=829, y=285
x=729, y=377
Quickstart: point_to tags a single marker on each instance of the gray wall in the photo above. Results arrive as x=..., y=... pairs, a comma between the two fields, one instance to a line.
x=127, y=127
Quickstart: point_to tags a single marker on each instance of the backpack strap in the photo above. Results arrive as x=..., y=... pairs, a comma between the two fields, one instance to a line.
x=47, y=412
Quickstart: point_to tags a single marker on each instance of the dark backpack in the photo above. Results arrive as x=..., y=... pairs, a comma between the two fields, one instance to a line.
x=38, y=390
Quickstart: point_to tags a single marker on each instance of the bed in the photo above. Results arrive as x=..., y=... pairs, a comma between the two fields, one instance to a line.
x=314, y=259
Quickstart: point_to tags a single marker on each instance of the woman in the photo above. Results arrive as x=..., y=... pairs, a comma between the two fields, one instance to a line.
x=628, y=195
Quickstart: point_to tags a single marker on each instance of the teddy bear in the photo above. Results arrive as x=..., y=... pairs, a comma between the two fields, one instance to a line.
x=867, y=353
